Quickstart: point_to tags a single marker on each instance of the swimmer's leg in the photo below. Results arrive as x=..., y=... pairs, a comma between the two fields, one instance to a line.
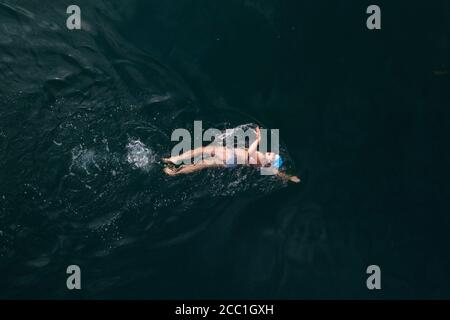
x=184, y=156
x=189, y=154
x=189, y=168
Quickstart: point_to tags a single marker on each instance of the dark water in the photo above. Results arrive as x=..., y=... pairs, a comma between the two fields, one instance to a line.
x=86, y=115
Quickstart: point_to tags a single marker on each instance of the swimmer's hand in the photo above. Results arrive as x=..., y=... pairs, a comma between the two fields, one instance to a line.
x=258, y=134
x=288, y=177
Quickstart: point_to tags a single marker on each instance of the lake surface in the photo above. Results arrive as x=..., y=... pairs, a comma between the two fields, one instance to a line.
x=86, y=115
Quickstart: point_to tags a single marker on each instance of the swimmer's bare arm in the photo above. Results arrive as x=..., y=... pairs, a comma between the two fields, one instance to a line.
x=288, y=177
x=254, y=145
x=284, y=176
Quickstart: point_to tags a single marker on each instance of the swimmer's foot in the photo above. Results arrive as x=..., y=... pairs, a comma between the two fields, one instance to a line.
x=170, y=171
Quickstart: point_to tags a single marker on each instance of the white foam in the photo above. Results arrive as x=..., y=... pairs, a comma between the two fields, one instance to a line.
x=139, y=155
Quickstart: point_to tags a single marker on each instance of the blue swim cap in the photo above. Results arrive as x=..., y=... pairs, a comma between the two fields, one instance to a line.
x=278, y=162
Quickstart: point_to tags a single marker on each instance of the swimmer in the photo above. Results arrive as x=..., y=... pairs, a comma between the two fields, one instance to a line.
x=223, y=157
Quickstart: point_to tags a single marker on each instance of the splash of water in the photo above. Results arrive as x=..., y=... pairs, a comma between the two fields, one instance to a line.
x=139, y=155
x=222, y=138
